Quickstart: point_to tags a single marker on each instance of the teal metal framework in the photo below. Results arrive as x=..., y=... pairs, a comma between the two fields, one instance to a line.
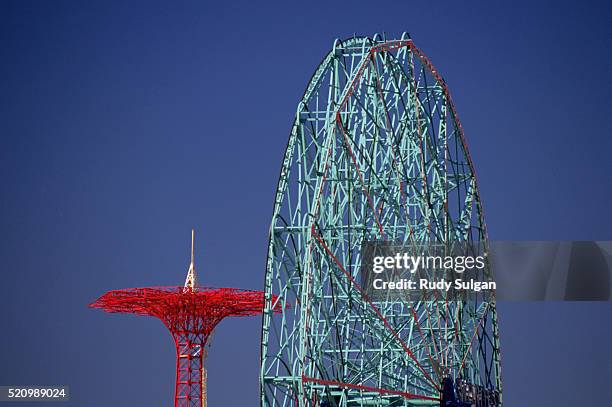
x=376, y=152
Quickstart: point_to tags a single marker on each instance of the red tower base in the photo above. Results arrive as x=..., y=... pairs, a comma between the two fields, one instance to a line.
x=190, y=387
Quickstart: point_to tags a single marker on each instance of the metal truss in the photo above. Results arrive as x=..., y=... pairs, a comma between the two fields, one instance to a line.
x=190, y=313
x=376, y=152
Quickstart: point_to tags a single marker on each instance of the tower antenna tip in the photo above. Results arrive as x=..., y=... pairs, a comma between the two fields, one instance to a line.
x=190, y=281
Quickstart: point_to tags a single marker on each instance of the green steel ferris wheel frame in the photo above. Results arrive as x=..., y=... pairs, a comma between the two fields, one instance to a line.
x=376, y=152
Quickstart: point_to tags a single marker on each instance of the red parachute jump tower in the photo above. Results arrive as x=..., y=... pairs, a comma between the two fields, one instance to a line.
x=191, y=313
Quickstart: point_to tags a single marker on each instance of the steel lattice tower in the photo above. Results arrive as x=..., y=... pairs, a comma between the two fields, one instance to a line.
x=191, y=313
x=377, y=153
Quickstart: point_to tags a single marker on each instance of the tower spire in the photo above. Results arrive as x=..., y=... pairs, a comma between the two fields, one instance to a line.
x=190, y=281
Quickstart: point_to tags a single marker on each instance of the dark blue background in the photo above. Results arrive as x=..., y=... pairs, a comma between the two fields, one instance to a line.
x=123, y=126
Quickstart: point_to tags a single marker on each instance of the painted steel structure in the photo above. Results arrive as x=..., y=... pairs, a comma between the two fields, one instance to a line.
x=190, y=313
x=376, y=152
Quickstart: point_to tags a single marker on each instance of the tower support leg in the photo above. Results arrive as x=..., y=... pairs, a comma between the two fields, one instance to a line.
x=190, y=387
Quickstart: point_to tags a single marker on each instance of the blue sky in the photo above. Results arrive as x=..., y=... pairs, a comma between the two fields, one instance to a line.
x=122, y=126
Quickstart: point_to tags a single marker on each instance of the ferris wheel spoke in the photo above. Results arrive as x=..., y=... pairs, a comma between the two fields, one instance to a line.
x=374, y=308
x=476, y=328
x=403, y=394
